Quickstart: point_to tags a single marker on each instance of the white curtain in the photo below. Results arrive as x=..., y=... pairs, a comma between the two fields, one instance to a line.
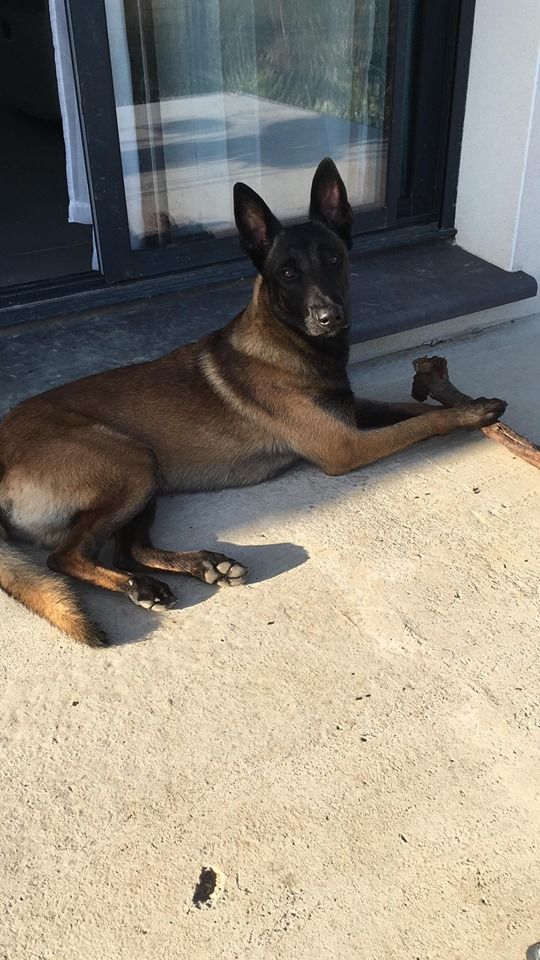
x=79, y=210
x=126, y=119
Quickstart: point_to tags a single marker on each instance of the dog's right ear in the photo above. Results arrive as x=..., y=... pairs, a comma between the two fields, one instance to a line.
x=256, y=223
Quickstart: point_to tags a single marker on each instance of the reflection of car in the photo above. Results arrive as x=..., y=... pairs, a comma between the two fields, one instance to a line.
x=27, y=71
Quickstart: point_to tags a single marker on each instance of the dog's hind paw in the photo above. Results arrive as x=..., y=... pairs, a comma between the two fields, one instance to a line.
x=222, y=571
x=150, y=594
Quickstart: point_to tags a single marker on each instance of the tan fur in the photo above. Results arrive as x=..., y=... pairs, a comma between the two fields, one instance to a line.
x=45, y=595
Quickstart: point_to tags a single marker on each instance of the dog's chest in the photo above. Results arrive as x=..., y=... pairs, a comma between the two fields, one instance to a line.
x=219, y=470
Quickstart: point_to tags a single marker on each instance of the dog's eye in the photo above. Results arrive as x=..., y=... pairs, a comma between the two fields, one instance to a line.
x=288, y=273
x=333, y=259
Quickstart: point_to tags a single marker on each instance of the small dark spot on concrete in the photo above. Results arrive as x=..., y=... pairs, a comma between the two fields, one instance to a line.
x=476, y=489
x=75, y=703
x=270, y=623
x=205, y=886
x=403, y=837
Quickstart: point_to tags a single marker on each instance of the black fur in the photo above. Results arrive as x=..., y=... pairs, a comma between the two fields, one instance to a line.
x=305, y=266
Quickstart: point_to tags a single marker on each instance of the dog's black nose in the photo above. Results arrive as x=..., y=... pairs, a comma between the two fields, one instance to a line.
x=327, y=314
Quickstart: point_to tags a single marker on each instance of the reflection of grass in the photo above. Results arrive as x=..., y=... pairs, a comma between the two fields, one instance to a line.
x=363, y=103
x=301, y=53
x=323, y=55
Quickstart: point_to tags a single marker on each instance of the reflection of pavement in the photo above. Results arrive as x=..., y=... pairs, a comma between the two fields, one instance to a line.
x=211, y=141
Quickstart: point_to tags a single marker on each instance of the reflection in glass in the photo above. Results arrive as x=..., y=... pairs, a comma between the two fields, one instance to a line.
x=213, y=91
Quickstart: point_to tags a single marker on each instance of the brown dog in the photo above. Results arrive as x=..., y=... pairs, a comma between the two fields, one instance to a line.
x=85, y=461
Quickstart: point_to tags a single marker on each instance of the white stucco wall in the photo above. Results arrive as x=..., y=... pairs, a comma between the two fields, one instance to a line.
x=498, y=202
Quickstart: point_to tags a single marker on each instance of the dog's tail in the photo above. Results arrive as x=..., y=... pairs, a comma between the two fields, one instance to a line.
x=47, y=595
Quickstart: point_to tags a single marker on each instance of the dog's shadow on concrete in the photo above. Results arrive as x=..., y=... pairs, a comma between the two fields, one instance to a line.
x=125, y=623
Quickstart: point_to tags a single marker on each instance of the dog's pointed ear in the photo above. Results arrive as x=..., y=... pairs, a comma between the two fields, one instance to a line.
x=329, y=203
x=256, y=223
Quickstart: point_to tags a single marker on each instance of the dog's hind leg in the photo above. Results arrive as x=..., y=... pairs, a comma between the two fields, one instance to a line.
x=116, y=500
x=133, y=543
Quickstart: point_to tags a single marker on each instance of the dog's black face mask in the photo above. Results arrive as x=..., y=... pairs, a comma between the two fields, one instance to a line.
x=307, y=278
x=305, y=267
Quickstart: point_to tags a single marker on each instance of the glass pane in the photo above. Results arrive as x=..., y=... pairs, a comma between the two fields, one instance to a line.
x=213, y=91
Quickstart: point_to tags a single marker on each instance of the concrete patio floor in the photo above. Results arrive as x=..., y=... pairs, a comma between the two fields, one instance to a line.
x=353, y=738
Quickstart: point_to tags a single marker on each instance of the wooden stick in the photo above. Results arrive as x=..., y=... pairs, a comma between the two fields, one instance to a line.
x=431, y=380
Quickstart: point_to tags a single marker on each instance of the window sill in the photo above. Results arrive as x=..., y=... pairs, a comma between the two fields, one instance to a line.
x=393, y=289
x=407, y=287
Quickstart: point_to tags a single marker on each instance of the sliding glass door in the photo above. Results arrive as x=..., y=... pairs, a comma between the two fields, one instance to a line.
x=181, y=98
x=208, y=92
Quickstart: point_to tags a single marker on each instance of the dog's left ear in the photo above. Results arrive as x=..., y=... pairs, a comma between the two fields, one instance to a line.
x=256, y=223
x=329, y=203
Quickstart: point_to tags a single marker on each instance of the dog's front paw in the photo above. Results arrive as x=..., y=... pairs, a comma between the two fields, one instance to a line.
x=481, y=412
x=150, y=594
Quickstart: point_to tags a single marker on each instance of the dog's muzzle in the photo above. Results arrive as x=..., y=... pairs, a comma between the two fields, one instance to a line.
x=327, y=319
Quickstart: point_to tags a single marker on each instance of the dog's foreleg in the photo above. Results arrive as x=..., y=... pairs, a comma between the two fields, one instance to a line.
x=377, y=413
x=337, y=448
